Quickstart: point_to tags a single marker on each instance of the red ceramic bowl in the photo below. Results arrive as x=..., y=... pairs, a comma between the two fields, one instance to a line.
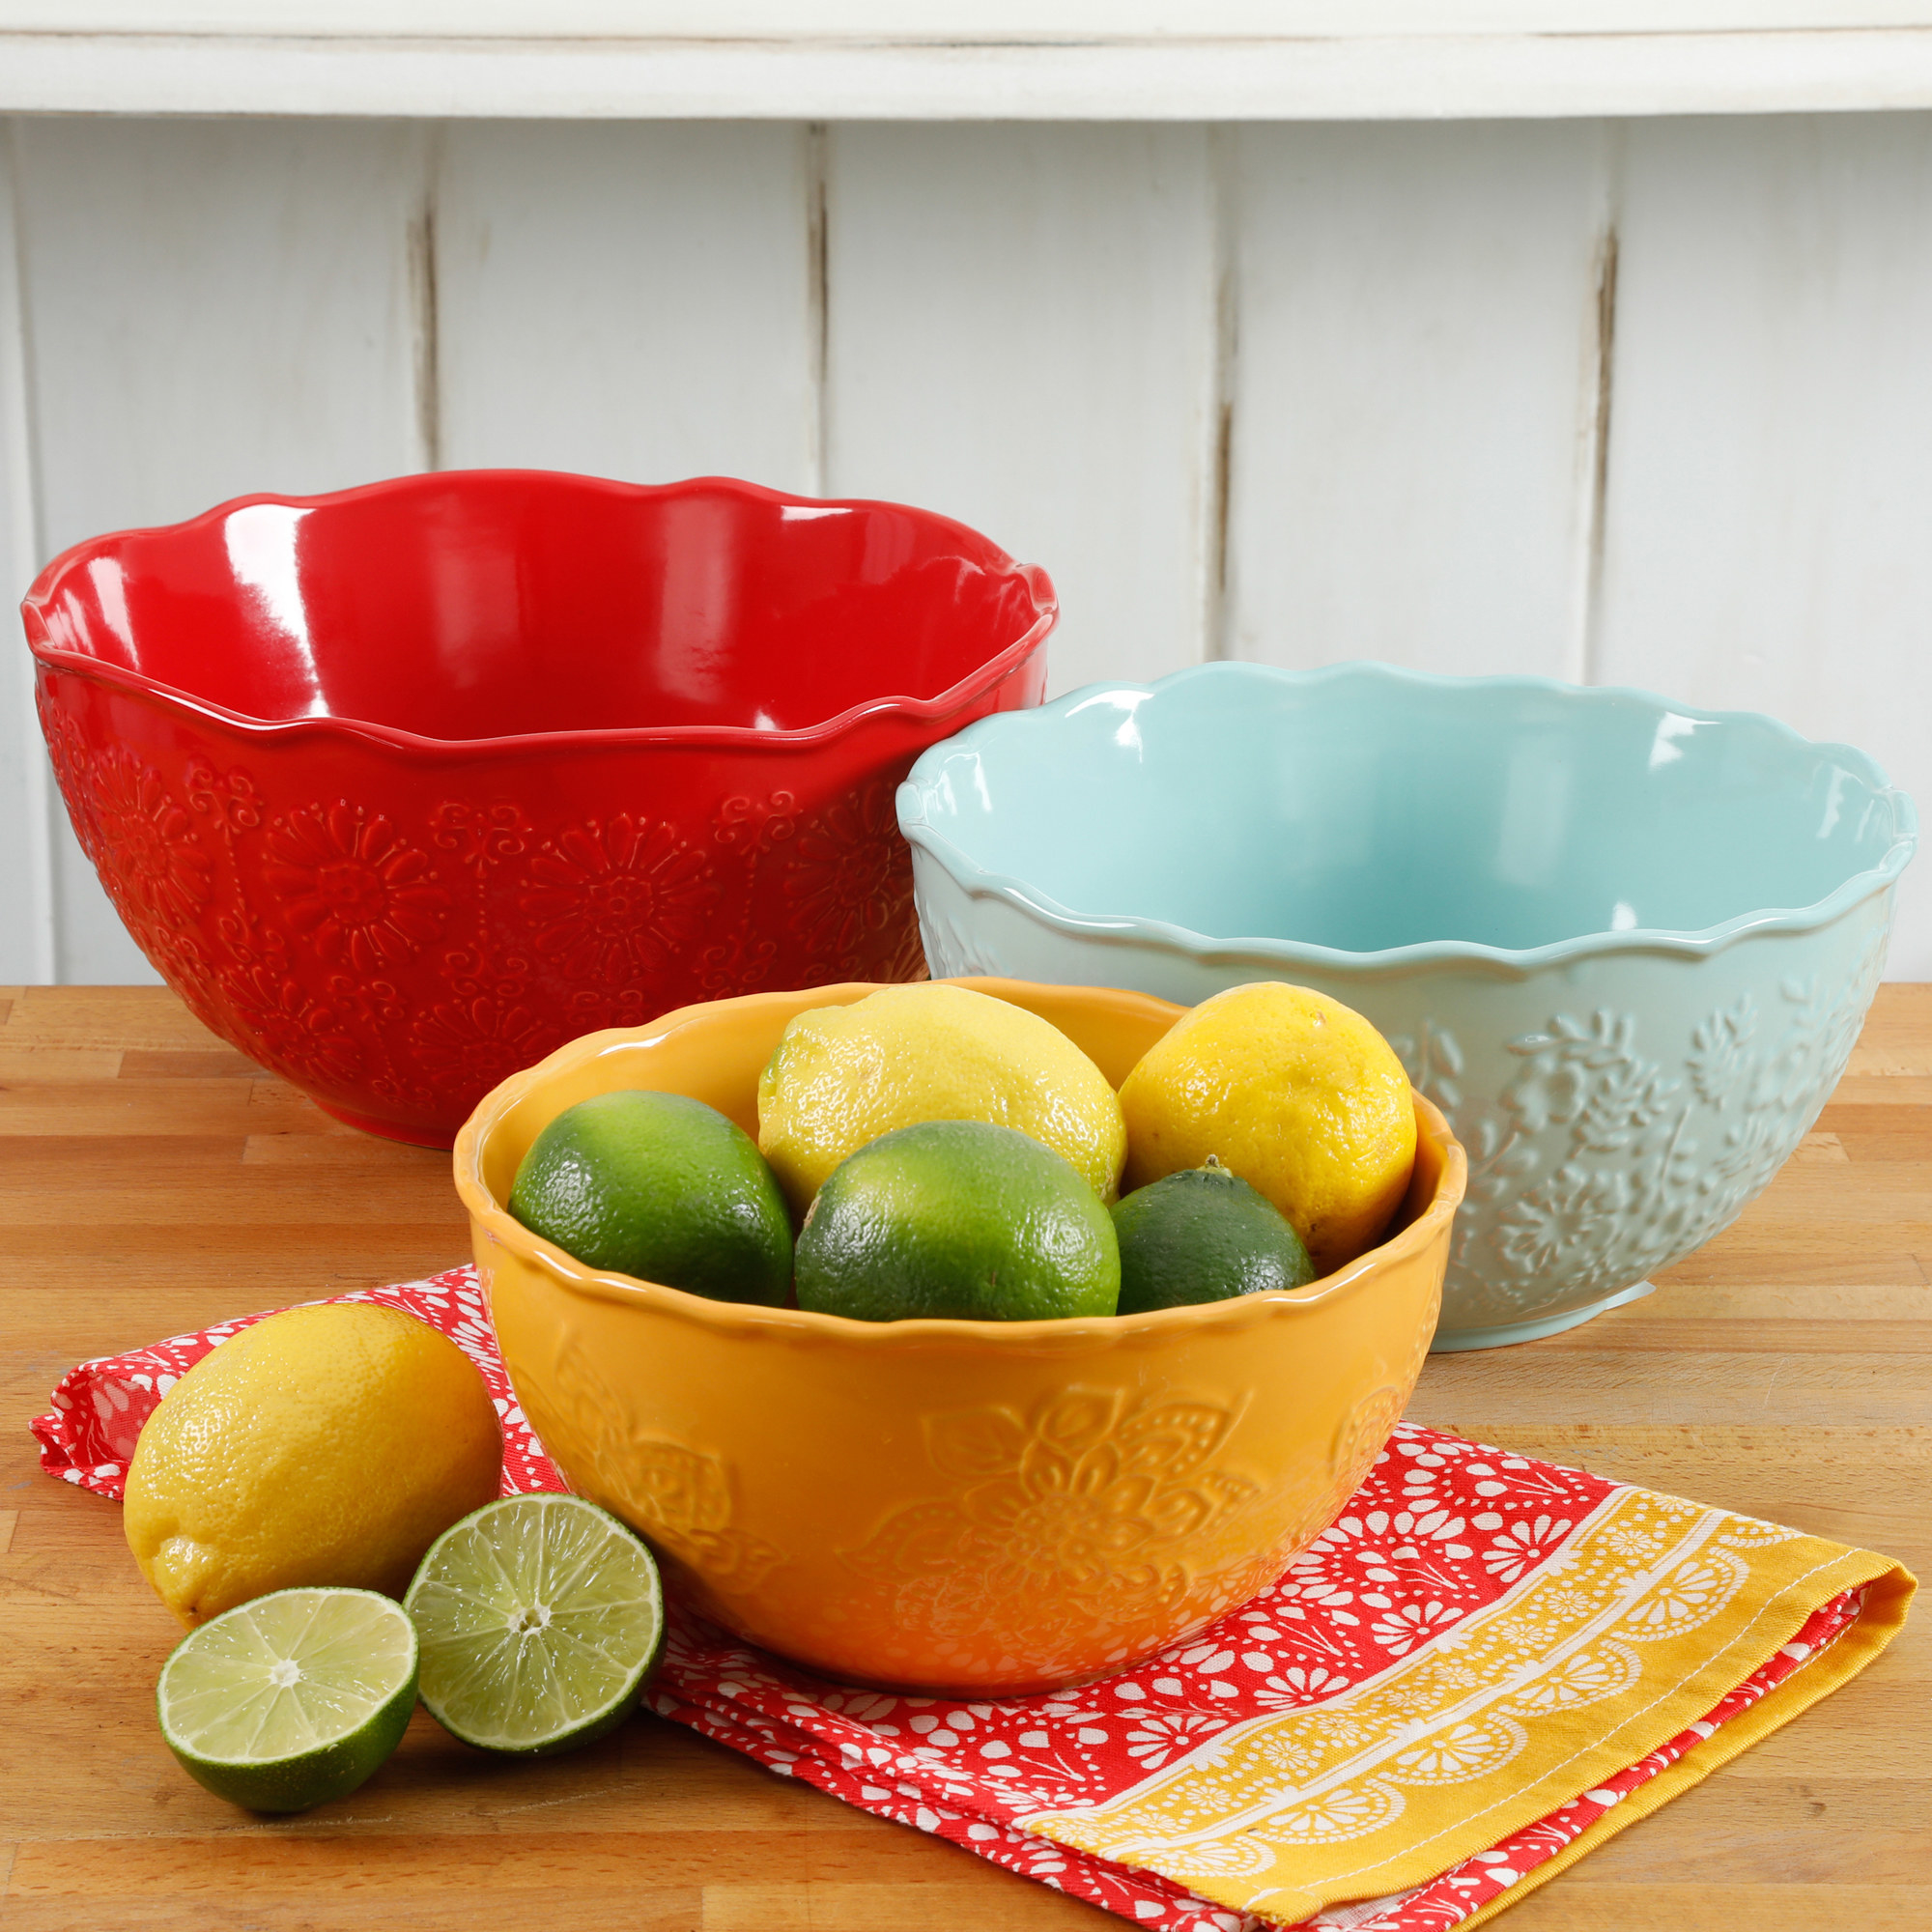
x=403, y=787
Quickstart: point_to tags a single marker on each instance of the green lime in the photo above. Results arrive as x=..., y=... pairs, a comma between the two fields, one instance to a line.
x=1204, y=1235
x=662, y=1187
x=290, y=1699
x=957, y=1218
x=541, y=1620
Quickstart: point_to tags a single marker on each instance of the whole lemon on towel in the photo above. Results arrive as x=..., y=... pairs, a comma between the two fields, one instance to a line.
x=844, y=1076
x=1295, y=1093
x=329, y=1445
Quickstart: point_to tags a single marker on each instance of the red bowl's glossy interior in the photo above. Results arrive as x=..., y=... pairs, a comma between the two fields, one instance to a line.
x=482, y=605
x=403, y=787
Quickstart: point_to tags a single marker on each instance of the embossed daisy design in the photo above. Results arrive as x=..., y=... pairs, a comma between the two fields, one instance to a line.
x=851, y=873
x=1621, y=1105
x=353, y=887
x=471, y=1044
x=150, y=852
x=290, y=1026
x=187, y=966
x=1572, y=1208
x=1046, y=1531
x=954, y=951
x=1060, y=1496
x=75, y=767
x=618, y=899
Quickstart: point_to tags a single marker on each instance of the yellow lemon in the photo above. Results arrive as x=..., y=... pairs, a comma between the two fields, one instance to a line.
x=844, y=1076
x=1293, y=1091
x=328, y=1445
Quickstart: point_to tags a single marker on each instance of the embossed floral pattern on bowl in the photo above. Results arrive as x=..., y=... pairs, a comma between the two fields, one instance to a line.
x=401, y=789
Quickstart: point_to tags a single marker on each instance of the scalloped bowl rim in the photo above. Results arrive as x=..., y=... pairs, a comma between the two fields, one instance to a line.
x=806, y=1326
x=1129, y=928
x=743, y=737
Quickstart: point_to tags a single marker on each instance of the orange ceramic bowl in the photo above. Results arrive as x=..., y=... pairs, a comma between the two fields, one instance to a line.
x=971, y=1507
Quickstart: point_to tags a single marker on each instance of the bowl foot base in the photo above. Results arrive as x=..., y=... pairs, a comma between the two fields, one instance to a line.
x=388, y=1130
x=1454, y=1341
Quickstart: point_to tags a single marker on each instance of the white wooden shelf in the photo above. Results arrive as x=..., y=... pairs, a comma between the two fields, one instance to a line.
x=1037, y=60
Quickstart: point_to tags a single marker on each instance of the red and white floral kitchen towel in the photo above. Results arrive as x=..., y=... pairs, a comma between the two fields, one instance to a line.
x=1486, y=1666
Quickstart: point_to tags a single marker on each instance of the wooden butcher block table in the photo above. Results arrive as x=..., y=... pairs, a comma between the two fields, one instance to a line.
x=152, y=1180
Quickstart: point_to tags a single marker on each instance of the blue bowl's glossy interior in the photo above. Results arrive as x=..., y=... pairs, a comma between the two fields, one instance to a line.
x=1362, y=809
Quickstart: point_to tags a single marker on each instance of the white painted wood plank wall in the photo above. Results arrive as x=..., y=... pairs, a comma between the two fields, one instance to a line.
x=1643, y=402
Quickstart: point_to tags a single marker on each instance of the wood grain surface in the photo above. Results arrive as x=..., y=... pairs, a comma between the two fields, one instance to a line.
x=153, y=1180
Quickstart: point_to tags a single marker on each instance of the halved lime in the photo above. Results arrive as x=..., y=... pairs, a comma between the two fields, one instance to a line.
x=540, y=1619
x=290, y=1699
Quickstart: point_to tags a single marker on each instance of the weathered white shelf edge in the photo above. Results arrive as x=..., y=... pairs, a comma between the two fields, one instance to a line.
x=1396, y=76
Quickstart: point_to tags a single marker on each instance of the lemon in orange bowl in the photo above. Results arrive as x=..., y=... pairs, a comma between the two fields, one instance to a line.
x=961, y=1506
x=1295, y=1093
x=845, y=1073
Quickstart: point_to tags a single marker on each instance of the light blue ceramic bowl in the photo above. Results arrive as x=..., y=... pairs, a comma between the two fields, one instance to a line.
x=1624, y=945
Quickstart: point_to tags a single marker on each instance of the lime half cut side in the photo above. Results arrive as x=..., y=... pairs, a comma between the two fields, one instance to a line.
x=290, y=1699
x=540, y=1619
